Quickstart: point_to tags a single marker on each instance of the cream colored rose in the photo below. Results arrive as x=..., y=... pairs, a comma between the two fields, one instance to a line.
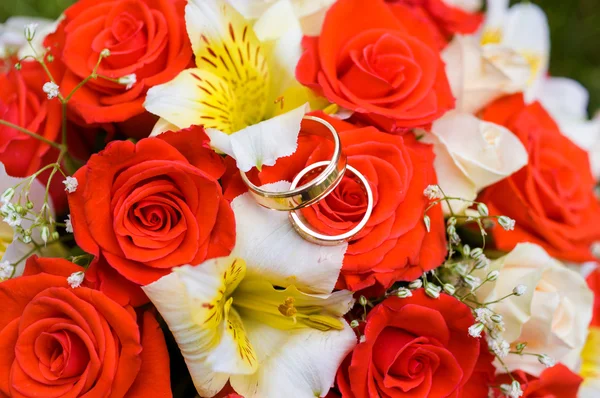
x=552, y=316
x=472, y=154
x=480, y=74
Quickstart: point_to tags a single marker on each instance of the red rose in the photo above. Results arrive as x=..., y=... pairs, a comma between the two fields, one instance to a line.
x=63, y=342
x=593, y=281
x=145, y=37
x=414, y=347
x=395, y=244
x=552, y=197
x=23, y=102
x=150, y=206
x=555, y=382
x=381, y=61
x=449, y=19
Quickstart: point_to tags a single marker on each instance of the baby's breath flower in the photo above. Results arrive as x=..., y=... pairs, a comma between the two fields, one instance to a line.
x=433, y=192
x=512, y=390
x=6, y=270
x=477, y=252
x=493, y=275
x=45, y=233
x=472, y=281
x=71, y=184
x=498, y=345
x=546, y=360
x=483, y=315
x=105, y=53
x=519, y=290
x=427, y=222
x=128, y=81
x=476, y=330
x=51, y=89
x=354, y=324
x=506, y=222
x=7, y=195
x=13, y=219
x=595, y=249
x=68, y=225
x=483, y=209
x=76, y=279
x=450, y=289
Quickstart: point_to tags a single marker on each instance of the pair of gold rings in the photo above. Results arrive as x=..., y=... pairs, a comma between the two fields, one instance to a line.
x=329, y=174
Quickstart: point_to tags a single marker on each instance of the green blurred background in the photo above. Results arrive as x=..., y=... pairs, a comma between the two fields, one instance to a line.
x=574, y=24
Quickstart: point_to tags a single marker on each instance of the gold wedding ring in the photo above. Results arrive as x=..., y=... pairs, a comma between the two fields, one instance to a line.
x=313, y=191
x=330, y=240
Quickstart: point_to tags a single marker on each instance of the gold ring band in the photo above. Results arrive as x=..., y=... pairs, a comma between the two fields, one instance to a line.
x=313, y=191
x=330, y=240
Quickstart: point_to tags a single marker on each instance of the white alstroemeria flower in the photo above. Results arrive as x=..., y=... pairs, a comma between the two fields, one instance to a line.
x=264, y=318
x=480, y=74
x=567, y=101
x=553, y=313
x=11, y=248
x=472, y=154
x=524, y=29
x=263, y=143
x=311, y=13
x=245, y=71
x=12, y=35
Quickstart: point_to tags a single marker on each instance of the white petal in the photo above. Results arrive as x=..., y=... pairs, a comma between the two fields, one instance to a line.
x=526, y=31
x=180, y=101
x=251, y=9
x=162, y=126
x=493, y=152
x=450, y=176
x=170, y=296
x=495, y=14
x=300, y=363
x=273, y=249
x=477, y=75
x=262, y=143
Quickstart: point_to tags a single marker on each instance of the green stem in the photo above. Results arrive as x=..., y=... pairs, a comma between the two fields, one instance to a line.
x=31, y=134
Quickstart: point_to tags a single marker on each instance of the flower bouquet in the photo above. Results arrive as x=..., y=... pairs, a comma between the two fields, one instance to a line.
x=286, y=198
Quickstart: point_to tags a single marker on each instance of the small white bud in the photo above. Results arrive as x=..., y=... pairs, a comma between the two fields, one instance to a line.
x=427, y=222
x=432, y=291
x=482, y=262
x=433, y=192
x=417, y=283
x=354, y=324
x=472, y=281
x=476, y=329
x=466, y=250
x=68, y=225
x=507, y=223
x=496, y=318
x=105, y=53
x=71, y=184
x=483, y=209
x=362, y=300
x=475, y=253
x=7, y=195
x=546, y=360
x=512, y=390
x=128, y=81
x=403, y=293
x=30, y=29
x=450, y=289
x=76, y=279
x=520, y=290
x=45, y=233
x=51, y=89
x=493, y=275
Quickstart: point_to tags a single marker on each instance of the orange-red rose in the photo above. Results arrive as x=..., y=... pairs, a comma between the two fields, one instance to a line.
x=555, y=382
x=551, y=198
x=150, y=206
x=145, y=37
x=449, y=19
x=22, y=102
x=379, y=60
x=416, y=347
x=62, y=342
x=394, y=245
